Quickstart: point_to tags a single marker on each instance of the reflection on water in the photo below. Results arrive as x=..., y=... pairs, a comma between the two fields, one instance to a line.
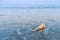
x=14, y=29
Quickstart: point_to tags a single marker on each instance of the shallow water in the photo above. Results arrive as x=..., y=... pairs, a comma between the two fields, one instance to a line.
x=17, y=24
x=12, y=29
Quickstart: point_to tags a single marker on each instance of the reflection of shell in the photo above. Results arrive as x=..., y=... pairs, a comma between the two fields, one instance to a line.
x=40, y=28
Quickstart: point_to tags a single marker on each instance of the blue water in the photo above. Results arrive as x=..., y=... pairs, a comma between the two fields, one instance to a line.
x=28, y=11
x=19, y=23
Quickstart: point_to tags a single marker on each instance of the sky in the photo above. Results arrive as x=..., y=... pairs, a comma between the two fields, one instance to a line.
x=8, y=3
x=18, y=3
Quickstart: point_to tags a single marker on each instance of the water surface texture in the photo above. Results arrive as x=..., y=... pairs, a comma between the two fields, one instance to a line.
x=17, y=24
